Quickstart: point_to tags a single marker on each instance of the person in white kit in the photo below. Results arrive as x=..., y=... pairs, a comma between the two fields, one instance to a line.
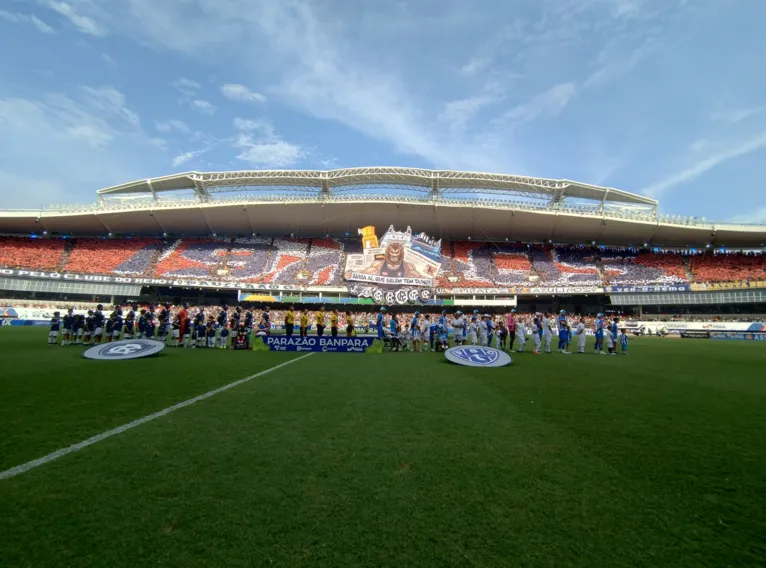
x=581, y=337
x=521, y=335
x=483, y=331
x=473, y=328
x=425, y=330
x=610, y=340
x=547, y=333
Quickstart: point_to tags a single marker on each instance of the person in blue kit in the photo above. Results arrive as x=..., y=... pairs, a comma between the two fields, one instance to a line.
x=563, y=326
x=53, y=333
x=599, y=332
x=379, y=322
x=624, y=341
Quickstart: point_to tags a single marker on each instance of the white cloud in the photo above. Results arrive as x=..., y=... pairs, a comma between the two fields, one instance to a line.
x=31, y=19
x=241, y=93
x=186, y=86
x=475, y=65
x=84, y=24
x=181, y=159
x=262, y=126
x=733, y=116
x=460, y=112
x=204, y=107
x=712, y=161
x=756, y=216
x=268, y=153
x=545, y=105
x=110, y=100
x=67, y=130
x=172, y=126
x=108, y=60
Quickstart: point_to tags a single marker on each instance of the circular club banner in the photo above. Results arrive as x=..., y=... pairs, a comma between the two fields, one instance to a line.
x=477, y=356
x=125, y=349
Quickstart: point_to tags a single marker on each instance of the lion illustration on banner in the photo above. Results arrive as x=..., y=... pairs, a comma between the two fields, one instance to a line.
x=397, y=269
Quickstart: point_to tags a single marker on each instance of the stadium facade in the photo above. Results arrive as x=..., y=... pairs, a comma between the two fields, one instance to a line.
x=208, y=231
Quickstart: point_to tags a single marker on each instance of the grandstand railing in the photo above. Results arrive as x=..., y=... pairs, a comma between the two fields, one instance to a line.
x=595, y=210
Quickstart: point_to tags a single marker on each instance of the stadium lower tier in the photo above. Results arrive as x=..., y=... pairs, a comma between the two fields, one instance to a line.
x=322, y=262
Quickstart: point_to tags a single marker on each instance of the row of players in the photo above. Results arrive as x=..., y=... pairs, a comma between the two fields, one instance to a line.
x=423, y=333
x=203, y=329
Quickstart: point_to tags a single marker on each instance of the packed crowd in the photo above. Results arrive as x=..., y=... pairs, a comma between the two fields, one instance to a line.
x=307, y=262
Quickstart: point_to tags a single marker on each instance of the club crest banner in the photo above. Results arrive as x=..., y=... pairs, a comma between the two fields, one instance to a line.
x=397, y=269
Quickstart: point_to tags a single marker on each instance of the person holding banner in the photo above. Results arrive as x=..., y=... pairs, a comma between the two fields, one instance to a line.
x=334, y=323
x=289, y=321
x=349, y=324
x=304, y=323
x=320, y=317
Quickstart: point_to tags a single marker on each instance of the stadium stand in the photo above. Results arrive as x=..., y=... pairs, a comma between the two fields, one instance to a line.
x=320, y=261
x=31, y=254
x=727, y=267
x=632, y=268
x=192, y=258
x=512, y=265
x=131, y=257
x=324, y=265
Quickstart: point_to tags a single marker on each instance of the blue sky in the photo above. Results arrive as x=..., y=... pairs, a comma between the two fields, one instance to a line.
x=661, y=97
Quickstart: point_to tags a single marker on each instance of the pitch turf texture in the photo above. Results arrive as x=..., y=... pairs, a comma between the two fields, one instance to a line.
x=657, y=459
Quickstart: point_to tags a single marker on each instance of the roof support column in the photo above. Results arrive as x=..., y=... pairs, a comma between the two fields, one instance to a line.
x=603, y=201
x=435, y=189
x=199, y=188
x=151, y=188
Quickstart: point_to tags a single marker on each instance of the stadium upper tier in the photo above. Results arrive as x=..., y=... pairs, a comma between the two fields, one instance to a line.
x=448, y=204
x=319, y=262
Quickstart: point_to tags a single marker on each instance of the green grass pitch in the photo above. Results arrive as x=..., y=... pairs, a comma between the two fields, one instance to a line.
x=654, y=460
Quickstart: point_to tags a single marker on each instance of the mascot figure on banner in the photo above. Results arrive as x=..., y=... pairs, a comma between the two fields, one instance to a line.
x=398, y=269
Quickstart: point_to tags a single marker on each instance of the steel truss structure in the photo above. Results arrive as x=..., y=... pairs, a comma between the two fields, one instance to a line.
x=434, y=185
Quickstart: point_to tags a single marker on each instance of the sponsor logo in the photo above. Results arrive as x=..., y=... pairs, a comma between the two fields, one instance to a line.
x=320, y=344
x=126, y=349
x=478, y=356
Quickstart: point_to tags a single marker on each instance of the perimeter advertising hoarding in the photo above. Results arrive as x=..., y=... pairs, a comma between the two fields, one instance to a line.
x=633, y=289
x=397, y=269
x=739, y=336
x=321, y=344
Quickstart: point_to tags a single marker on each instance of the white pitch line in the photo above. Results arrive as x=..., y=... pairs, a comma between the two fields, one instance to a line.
x=19, y=469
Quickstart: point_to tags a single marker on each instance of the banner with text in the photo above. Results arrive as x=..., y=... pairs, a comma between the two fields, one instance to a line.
x=321, y=344
x=398, y=269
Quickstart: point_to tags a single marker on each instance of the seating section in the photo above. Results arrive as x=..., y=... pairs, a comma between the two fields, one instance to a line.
x=325, y=263
x=321, y=262
x=565, y=266
x=130, y=257
x=31, y=254
x=513, y=266
x=729, y=267
x=632, y=268
x=192, y=258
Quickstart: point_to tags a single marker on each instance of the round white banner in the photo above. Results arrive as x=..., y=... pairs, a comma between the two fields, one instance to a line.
x=126, y=349
x=477, y=356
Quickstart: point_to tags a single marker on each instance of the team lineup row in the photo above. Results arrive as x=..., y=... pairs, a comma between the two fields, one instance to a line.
x=213, y=329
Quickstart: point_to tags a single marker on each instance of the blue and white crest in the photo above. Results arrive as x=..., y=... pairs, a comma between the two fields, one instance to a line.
x=477, y=356
x=125, y=349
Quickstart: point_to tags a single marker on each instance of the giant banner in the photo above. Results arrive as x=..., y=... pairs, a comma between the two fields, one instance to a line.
x=397, y=269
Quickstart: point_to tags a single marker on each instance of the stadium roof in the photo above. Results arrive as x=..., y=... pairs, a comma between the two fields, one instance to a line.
x=438, y=181
x=447, y=204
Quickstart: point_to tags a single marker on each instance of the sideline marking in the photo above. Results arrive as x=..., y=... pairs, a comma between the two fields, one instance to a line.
x=19, y=469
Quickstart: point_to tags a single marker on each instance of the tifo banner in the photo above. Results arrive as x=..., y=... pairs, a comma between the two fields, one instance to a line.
x=324, y=344
x=633, y=289
x=398, y=269
x=758, y=336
